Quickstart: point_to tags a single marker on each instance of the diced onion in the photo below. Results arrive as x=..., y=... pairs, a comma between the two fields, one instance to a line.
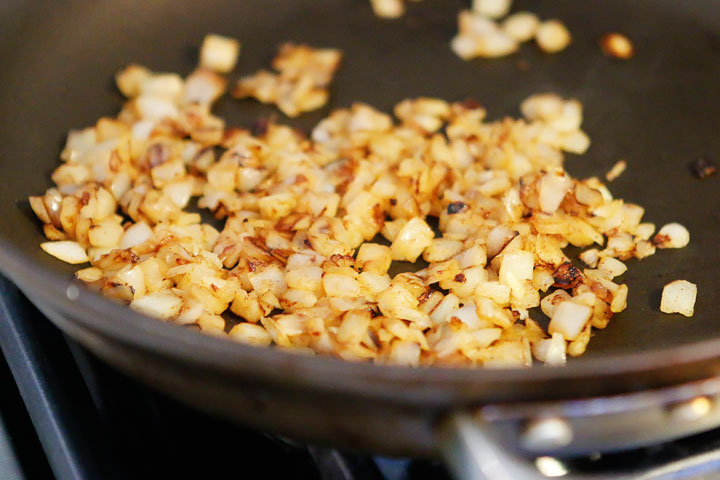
x=679, y=297
x=135, y=235
x=161, y=304
x=65, y=250
x=569, y=319
x=672, y=235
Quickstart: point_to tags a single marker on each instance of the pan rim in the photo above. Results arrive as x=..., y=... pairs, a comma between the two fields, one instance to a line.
x=427, y=385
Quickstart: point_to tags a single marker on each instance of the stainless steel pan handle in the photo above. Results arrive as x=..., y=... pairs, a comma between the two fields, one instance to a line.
x=524, y=440
x=471, y=453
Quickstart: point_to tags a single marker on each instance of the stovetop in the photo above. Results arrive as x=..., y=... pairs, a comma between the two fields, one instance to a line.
x=65, y=415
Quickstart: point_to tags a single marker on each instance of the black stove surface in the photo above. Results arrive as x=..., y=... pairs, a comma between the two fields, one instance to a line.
x=21, y=455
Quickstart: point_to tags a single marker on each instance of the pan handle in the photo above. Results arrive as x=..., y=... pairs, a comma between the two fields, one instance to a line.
x=471, y=453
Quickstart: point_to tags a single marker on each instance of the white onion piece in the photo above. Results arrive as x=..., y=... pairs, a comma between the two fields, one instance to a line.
x=569, y=319
x=542, y=106
x=120, y=184
x=551, y=351
x=468, y=315
x=134, y=278
x=521, y=26
x=553, y=187
x=405, y=353
x=478, y=25
x=570, y=117
x=179, y=192
x=552, y=36
x=550, y=302
x=491, y=8
x=575, y=142
x=100, y=153
x=190, y=315
x=444, y=310
x=95, y=253
x=268, y=279
x=498, y=238
x=672, y=235
x=679, y=297
x=219, y=53
x=169, y=85
x=612, y=266
x=496, y=44
x=486, y=336
x=251, y=334
x=590, y=257
x=211, y=198
x=66, y=250
x=152, y=107
x=162, y=304
x=141, y=130
x=78, y=143
x=516, y=267
x=135, y=235
x=203, y=86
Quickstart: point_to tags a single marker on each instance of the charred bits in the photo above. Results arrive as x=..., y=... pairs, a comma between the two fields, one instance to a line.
x=470, y=104
x=157, y=154
x=566, y=276
x=703, y=168
x=261, y=125
x=456, y=207
x=661, y=240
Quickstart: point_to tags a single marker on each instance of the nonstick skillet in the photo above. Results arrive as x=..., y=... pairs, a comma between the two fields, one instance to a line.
x=659, y=111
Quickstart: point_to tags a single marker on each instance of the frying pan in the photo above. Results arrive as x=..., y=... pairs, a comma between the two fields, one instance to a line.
x=659, y=111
